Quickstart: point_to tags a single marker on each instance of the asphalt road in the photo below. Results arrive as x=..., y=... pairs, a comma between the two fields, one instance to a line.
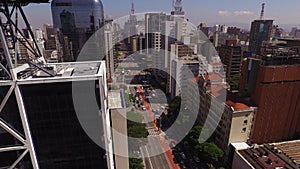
x=158, y=161
x=153, y=153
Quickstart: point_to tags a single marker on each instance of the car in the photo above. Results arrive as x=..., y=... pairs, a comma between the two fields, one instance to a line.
x=196, y=159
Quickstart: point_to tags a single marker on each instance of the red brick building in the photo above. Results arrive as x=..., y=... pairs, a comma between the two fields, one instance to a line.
x=277, y=96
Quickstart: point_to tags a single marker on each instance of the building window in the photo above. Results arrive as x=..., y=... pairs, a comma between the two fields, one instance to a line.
x=244, y=130
x=245, y=122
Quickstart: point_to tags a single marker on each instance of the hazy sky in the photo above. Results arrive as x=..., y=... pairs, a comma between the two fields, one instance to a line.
x=208, y=11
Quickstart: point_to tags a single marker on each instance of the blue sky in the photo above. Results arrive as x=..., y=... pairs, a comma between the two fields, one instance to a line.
x=208, y=11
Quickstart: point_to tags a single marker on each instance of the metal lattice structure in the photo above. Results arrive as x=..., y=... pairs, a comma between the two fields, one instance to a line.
x=10, y=35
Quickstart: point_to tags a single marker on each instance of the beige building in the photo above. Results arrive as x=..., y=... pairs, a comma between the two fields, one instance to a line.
x=235, y=125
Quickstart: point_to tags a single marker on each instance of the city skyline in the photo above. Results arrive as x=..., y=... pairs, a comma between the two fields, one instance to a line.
x=154, y=85
x=235, y=13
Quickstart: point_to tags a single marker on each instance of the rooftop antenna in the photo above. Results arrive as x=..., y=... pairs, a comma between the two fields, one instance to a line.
x=178, y=6
x=262, y=11
x=132, y=8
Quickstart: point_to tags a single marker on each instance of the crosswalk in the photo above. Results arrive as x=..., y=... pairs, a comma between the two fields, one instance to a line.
x=153, y=132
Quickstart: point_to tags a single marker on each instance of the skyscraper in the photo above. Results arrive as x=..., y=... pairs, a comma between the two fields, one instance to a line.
x=261, y=31
x=78, y=19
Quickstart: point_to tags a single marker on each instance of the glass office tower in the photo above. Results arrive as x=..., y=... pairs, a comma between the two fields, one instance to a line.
x=77, y=19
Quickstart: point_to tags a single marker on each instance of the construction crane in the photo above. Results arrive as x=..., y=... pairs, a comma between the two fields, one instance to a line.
x=262, y=11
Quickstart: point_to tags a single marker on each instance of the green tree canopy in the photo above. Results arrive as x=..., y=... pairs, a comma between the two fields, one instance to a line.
x=174, y=106
x=136, y=163
x=136, y=129
x=234, y=82
x=210, y=151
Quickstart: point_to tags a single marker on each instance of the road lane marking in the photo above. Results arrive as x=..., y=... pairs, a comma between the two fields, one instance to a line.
x=149, y=157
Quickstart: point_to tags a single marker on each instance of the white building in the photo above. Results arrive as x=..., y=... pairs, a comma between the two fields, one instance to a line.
x=181, y=70
x=109, y=50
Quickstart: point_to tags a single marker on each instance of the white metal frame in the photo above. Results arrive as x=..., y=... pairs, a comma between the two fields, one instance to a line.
x=27, y=142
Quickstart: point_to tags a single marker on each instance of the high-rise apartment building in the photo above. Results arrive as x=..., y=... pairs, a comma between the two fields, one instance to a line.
x=231, y=56
x=155, y=26
x=181, y=70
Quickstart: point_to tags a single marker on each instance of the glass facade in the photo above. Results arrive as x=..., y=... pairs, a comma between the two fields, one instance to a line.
x=78, y=20
x=59, y=140
x=83, y=11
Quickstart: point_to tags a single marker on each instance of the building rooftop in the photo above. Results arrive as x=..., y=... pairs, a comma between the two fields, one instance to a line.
x=240, y=145
x=275, y=60
x=59, y=71
x=213, y=77
x=290, y=149
x=237, y=106
x=116, y=99
x=273, y=156
x=217, y=89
